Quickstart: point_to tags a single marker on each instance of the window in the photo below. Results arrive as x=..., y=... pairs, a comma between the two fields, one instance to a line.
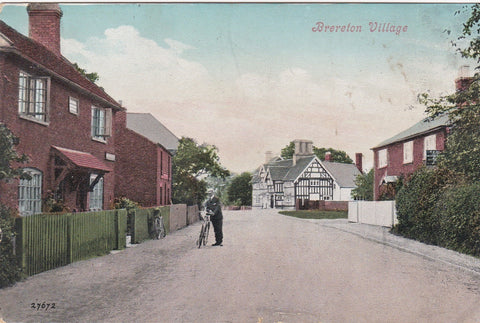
x=30, y=193
x=33, y=96
x=430, y=143
x=73, y=105
x=408, y=152
x=96, y=196
x=101, y=123
x=382, y=158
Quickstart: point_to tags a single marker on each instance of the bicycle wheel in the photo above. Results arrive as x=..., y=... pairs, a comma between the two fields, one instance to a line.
x=207, y=230
x=201, y=237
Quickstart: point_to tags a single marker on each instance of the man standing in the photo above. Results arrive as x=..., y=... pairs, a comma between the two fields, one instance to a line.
x=214, y=207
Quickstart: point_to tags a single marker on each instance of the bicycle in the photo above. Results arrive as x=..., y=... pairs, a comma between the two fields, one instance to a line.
x=158, y=227
x=204, y=230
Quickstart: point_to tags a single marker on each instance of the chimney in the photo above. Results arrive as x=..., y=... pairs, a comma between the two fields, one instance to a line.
x=328, y=156
x=268, y=156
x=44, y=24
x=303, y=148
x=358, y=162
x=464, y=79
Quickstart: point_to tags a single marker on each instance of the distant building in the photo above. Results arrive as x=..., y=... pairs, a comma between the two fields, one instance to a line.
x=295, y=182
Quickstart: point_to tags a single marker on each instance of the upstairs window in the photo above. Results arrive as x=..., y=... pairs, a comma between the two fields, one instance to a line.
x=382, y=158
x=73, y=105
x=101, y=123
x=33, y=96
x=408, y=152
x=430, y=143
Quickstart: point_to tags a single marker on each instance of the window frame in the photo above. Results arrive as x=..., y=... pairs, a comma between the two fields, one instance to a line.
x=30, y=193
x=28, y=93
x=408, y=152
x=77, y=101
x=382, y=160
x=426, y=143
x=96, y=196
x=105, y=117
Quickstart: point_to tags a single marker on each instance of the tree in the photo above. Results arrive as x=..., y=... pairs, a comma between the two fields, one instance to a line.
x=8, y=155
x=336, y=155
x=364, y=189
x=462, y=149
x=240, y=189
x=191, y=165
x=10, y=271
x=94, y=77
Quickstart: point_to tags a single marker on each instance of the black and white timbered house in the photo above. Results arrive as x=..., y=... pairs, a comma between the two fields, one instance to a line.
x=284, y=184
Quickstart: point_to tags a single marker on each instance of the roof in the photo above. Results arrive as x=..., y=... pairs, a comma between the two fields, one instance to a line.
x=424, y=126
x=83, y=159
x=148, y=126
x=57, y=65
x=344, y=174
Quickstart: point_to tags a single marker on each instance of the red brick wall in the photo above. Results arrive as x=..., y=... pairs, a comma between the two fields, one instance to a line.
x=64, y=129
x=395, y=166
x=141, y=168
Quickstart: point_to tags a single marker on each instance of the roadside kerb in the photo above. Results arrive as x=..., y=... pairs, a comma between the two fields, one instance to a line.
x=382, y=235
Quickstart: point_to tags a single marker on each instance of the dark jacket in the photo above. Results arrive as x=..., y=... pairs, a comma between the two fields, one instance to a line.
x=215, y=207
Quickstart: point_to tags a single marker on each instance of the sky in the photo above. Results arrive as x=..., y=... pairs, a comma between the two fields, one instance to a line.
x=251, y=77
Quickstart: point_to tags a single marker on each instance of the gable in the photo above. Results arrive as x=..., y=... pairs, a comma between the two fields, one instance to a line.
x=314, y=170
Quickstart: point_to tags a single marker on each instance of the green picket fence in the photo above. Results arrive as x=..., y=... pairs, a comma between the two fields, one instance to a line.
x=47, y=241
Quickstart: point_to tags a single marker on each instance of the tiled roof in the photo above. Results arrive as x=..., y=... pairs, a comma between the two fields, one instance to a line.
x=422, y=127
x=344, y=174
x=37, y=53
x=148, y=126
x=83, y=159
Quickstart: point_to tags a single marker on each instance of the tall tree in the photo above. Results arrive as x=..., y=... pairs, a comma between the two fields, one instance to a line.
x=240, y=189
x=191, y=165
x=462, y=149
x=338, y=156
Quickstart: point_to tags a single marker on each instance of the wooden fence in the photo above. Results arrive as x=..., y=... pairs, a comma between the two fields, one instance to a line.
x=47, y=241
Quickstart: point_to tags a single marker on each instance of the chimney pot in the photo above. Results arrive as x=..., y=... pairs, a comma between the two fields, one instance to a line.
x=328, y=156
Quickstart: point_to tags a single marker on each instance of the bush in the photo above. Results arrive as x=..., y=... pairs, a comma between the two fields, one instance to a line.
x=416, y=203
x=10, y=271
x=459, y=216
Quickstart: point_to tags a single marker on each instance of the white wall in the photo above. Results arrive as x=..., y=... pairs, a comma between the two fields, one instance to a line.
x=381, y=213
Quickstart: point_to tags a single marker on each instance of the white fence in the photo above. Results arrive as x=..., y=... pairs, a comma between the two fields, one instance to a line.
x=381, y=213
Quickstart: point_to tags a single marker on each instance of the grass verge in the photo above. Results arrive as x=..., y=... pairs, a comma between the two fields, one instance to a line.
x=315, y=214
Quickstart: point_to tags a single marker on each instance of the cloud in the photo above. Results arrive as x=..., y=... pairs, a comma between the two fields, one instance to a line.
x=256, y=111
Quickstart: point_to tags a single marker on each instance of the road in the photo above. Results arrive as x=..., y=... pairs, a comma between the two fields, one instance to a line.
x=271, y=268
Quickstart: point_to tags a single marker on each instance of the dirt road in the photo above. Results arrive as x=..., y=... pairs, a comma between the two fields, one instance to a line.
x=272, y=268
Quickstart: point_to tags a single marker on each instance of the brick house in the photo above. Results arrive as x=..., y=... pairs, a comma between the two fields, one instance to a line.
x=63, y=120
x=405, y=152
x=297, y=182
x=143, y=169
